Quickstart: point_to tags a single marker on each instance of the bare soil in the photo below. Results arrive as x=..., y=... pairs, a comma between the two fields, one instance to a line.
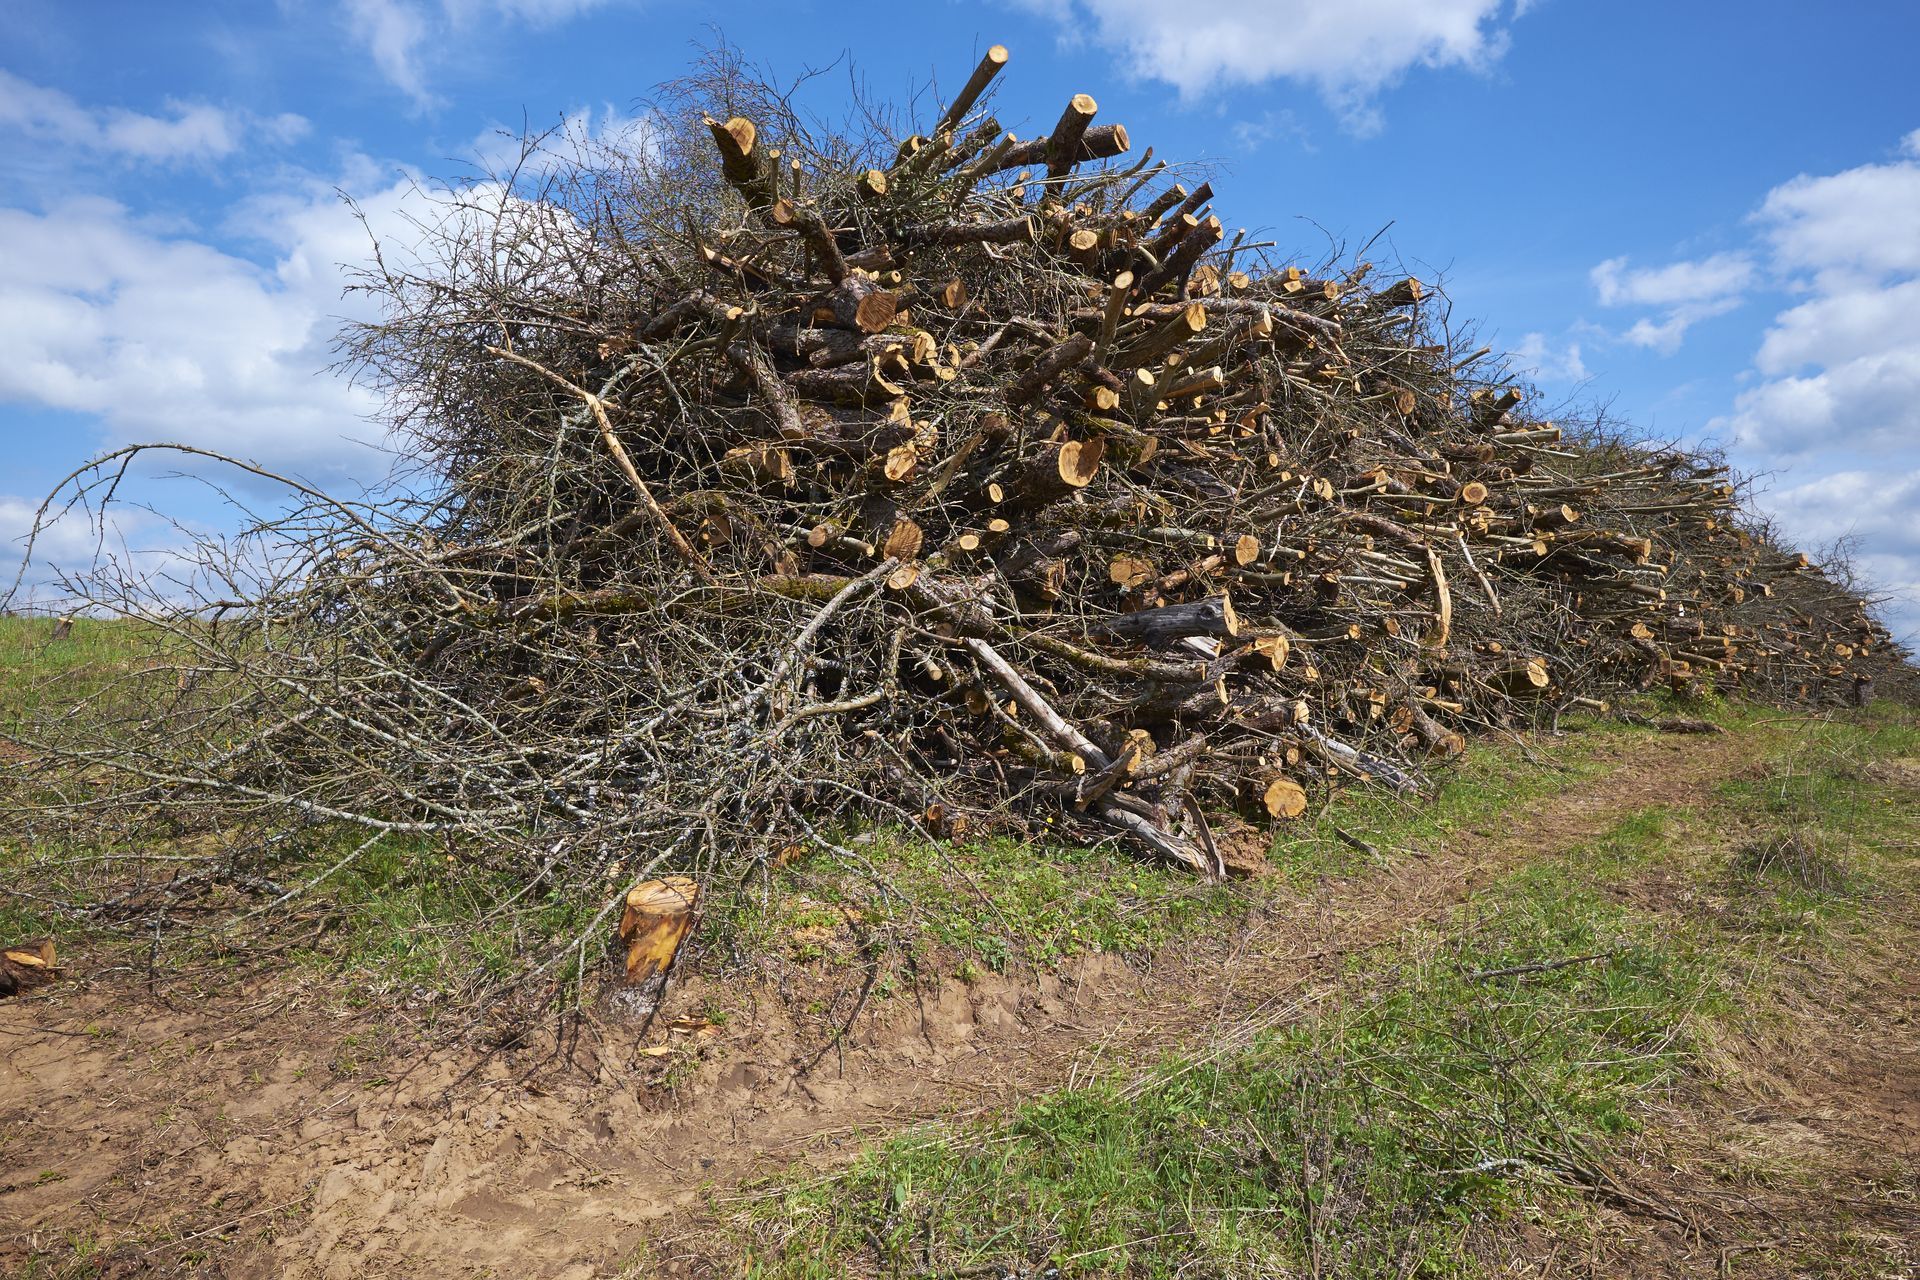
x=264, y=1132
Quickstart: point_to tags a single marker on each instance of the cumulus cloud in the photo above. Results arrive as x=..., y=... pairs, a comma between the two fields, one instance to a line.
x=188, y=131
x=163, y=336
x=72, y=542
x=1349, y=50
x=583, y=136
x=1846, y=228
x=1870, y=402
x=398, y=33
x=1271, y=126
x=1539, y=358
x=1841, y=369
x=1685, y=293
x=1834, y=405
x=393, y=32
x=1877, y=511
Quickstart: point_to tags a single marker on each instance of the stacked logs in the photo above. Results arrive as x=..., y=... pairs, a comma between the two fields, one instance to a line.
x=1152, y=515
x=973, y=479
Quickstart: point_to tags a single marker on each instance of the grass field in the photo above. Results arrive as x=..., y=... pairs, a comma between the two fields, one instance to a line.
x=1607, y=998
x=1472, y=1077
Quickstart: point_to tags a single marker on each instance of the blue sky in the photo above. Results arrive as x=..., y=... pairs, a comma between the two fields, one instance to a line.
x=1706, y=215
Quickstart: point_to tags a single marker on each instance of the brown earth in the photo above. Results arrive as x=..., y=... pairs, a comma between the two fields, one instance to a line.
x=262, y=1132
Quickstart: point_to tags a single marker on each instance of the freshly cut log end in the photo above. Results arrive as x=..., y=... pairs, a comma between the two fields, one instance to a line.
x=1128, y=572
x=983, y=74
x=1275, y=649
x=1529, y=675
x=904, y=540
x=1063, y=145
x=1403, y=293
x=1284, y=799
x=902, y=461
x=860, y=303
x=1079, y=462
x=26, y=966
x=759, y=464
x=655, y=922
x=735, y=137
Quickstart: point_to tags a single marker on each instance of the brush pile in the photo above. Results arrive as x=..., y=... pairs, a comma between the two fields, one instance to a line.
x=771, y=483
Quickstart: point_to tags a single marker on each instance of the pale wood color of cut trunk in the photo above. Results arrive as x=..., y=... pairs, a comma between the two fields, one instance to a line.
x=26, y=966
x=658, y=915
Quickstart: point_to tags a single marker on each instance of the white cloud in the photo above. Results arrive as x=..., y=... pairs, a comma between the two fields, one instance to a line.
x=1676, y=284
x=1867, y=404
x=164, y=337
x=1539, y=358
x=582, y=137
x=67, y=541
x=1348, y=49
x=189, y=131
x=539, y=13
x=1861, y=223
x=1841, y=369
x=398, y=33
x=1881, y=511
x=1838, y=370
x=393, y=32
x=1834, y=328
x=1272, y=126
x=1685, y=292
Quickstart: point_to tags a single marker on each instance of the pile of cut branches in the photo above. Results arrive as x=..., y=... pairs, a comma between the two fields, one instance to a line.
x=771, y=480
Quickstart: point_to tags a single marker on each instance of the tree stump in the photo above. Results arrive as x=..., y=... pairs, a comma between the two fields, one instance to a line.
x=656, y=920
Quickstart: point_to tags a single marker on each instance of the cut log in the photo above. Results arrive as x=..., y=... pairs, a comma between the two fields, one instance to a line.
x=1048, y=367
x=1213, y=616
x=983, y=74
x=26, y=966
x=1284, y=798
x=1179, y=328
x=904, y=540
x=1063, y=144
x=859, y=303
x=655, y=921
x=1098, y=143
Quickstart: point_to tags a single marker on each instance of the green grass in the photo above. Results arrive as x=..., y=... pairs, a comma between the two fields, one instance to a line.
x=993, y=902
x=38, y=672
x=1418, y=1101
x=1001, y=902
x=1493, y=777
x=1414, y=1107
x=406, y=915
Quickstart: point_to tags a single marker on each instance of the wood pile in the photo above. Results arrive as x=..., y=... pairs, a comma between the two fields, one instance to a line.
x=1152, y=514
x=779, y=482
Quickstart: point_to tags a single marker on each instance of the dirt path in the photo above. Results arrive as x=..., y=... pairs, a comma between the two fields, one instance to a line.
x=243, y=1126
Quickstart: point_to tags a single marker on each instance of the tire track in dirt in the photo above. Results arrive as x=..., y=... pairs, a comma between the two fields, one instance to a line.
x=195, y=1116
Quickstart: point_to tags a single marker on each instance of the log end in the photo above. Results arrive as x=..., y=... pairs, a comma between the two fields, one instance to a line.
x=1079, y=462
x=1284, y=799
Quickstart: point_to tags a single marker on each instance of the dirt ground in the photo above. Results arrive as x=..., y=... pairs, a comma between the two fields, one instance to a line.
x=260, y=1132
